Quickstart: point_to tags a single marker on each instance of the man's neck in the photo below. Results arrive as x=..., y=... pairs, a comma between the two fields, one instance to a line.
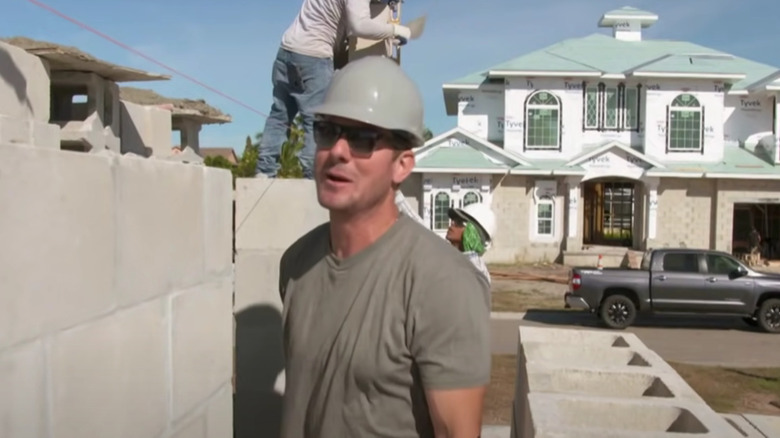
x=351, y=233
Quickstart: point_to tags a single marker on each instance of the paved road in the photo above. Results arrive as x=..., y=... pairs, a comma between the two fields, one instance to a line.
x=711, y=340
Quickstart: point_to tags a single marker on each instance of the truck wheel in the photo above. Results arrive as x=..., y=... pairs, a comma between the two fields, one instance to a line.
x=617, y=311
x=769, y=316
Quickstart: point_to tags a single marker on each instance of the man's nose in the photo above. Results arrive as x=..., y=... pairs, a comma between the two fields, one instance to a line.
x=340, y=149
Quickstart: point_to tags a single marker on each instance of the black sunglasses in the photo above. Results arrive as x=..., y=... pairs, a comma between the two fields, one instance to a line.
x=362, y=140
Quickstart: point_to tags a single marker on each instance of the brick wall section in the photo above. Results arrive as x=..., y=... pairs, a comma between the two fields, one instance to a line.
x=116, y=304
x=684, y=213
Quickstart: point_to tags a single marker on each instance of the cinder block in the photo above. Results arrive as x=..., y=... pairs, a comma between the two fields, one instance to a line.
x=768, y=425
x=591, y=338
x=57, y=234
x=589, y=356
x=565, y=415
x=160, y=235
x=45, y=135
x=15, y=131
x=23, y=393
x=24, y=91
x=109, y=377
x=744, y=427
x=257, y=279
x=218, y=220
x=273, y=213
x=219, y=415
x=194, y=428
x=202, y=336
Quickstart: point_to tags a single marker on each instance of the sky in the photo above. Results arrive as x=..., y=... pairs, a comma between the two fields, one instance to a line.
x=230, y=45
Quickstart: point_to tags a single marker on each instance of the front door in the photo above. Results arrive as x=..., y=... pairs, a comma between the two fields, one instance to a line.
x=609, y=213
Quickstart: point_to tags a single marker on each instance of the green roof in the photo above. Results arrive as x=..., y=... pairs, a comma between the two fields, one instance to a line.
x=701, y=64
x=736, y=160
x=457, y=157
x=631, y=12
x=603, y=53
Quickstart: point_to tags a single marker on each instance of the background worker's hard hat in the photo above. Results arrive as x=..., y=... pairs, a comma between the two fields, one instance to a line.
x=375, y=90
x=481, y=215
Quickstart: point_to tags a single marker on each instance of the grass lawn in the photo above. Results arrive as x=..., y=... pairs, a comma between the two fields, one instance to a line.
x=737, y=390
x=726, y=390
x=523, y=300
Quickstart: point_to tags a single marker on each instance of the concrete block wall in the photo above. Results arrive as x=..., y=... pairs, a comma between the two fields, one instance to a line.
x=116, y=300
x=597, y=383
x=24, y=100
x=684, y=213
x=513, y=204
x=730, y=192
x=271, y=214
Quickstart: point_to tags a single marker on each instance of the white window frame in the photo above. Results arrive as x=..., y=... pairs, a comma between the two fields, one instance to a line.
x=531, y=106
x=434, y=206
x=546, y=200
x=698, y=110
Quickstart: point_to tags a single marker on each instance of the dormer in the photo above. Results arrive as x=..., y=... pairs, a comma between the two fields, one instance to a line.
x=627, y=22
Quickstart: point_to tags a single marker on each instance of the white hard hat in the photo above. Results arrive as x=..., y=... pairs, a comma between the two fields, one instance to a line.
x=481, y=215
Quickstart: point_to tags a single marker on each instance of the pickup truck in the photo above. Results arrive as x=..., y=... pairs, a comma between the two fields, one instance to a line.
x=677, y=281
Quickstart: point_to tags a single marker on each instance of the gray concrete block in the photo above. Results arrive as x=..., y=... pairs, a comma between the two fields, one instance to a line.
x=160, y=231
x=495, y=432
x=219, y=414
x=23, y=391
x=15, y=131
x=769, y=425
x=648, y=384
x=273, y=213
x=257, y=279
x=744, y=427
x=202, y=339
x=218, y=220
x=192, y=428
x=591, y=356
x=109, y=377
x=594, y=338
x=57, y=257
x=24, y=92
x=565, y=415
x=45, y=135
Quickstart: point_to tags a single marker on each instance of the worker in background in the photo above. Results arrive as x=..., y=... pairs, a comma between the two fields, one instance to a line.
x=755, y=245
x=303, y=68
x=386, y=327
x=471, y=231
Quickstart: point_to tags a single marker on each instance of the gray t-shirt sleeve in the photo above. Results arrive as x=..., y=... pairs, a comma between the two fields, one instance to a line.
x=359, y=22
x=450, y=316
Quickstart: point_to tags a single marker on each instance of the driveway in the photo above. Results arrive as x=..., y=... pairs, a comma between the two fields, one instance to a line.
x=711, y=340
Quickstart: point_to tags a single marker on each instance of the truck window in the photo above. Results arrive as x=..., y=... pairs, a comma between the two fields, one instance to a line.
x=720, y=265
x=681, y=262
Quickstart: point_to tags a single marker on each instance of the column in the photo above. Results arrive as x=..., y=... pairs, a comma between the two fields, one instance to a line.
x=651, y=185
x=190, y=135
x=573, y=241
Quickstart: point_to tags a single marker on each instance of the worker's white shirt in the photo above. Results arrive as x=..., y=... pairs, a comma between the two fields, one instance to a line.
x=319, y=23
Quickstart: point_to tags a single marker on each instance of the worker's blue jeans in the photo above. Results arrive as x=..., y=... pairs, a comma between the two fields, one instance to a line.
x=299, y=84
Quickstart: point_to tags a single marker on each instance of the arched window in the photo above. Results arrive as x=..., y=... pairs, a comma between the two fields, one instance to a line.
x=471, y=198
x=685, y=124
x=441, y=205
x=543, y=121
x=545, y=217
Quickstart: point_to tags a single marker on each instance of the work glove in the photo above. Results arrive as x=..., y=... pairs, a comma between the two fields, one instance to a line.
x=401, y=34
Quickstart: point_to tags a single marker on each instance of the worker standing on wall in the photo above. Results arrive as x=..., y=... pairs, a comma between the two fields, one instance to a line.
x=386, y=325
x=471, y=231
x=303, y=68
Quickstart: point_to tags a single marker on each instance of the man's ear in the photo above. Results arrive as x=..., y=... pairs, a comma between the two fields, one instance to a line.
x=404, y=164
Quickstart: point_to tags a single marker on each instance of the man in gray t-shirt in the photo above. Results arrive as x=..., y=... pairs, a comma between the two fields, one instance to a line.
x=386, y=325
